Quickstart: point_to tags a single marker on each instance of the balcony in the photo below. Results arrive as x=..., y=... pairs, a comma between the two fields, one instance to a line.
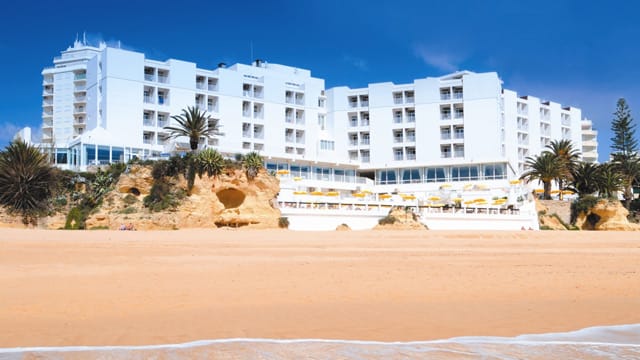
x=364, y=141
x=148, y=122
x=353, y=104
x=289, y=138
x=353, y=142
x=288, y=119
x=409, y=99
x=364, y=122
x=445, y=116
x=246, y=134
x=79, y=77
x=148, y=99
x=47, y=113
x=149, y=77
x=201, y=86
x=47, y=123
x=410, y=138
x=79, y=88
x=364, y=103
x=163, y=79
x=411, y=117
x=458, y=95
x=47, y=103
x=212, y=108
x=163, y=100
x=398, y=139
x=397, y=119
x=80, y=99
x=79, y=110
x=445, y=96
x=459, y=115
x=47, y=91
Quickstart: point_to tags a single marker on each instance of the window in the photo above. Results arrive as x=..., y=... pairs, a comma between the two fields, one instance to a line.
x=459, y=132
x=464, y=173
x=445, y=133
x=445, y=151
x=410, y=135
x=364, y=156
x=435, y=174
x=494, y=171
x=364, y=138
x=322, y=122
x=458, y=151
x=410, y=176
x=353, y=139
x=398, y=154
x=411, y=153
x=327, y=145
x=397, y=136
x=387, y=177
x=397, y=98
x=397, y=116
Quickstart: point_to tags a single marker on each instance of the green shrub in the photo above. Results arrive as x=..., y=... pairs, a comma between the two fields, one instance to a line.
x=75, y=219
x=128, y=210
x=130, y=199
x=387, y=220
x=283, y=222
x=582, y=205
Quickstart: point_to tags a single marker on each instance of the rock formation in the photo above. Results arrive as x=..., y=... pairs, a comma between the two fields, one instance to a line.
x=401, y=219
x=227, y=200
x=606, y=215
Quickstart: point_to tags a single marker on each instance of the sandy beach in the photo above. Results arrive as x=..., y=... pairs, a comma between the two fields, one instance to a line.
x=61, y=288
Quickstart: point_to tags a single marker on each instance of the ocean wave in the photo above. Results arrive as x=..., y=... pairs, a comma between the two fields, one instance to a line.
x=608, y=342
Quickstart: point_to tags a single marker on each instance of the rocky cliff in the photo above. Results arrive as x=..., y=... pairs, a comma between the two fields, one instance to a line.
x=227, y=200
x=606, y=215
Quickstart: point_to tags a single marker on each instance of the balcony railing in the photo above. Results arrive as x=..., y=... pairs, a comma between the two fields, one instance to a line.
x=411, y=118
x=163, y=79
x=445, y=136
x=364, y=103
x=397, y=100
x=458, y=153
x=201, y=86
x=409, y=99
x=445, y=155
x=364, y=141
x=398, y=139
x=212, y=87
x=364, y=122
x=457, y=95
x=397, y=119
x=353, y=142
x=445, y=96
x=148, y=99
x=411, y=156
x=149, y=77
x=353, y=104
x=411, y=138
x=445, y=116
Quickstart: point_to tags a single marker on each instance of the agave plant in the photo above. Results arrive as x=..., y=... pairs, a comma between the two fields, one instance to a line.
x=252, y=163
x=26, y=181
x=209, y=161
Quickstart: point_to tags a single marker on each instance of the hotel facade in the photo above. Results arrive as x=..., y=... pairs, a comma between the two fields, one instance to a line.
x=104, y=104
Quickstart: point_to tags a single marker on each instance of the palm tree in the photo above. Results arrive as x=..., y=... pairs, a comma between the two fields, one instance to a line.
x=252, y=163
x=26, y=181
x=567, y=157
x=628, y=166
x=545, y=168
x=209, y=161
x=585, y=178
x=610, y=180
x=194, y=124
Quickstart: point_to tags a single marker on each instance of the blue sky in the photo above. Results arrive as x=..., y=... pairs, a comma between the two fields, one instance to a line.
x=579, y=53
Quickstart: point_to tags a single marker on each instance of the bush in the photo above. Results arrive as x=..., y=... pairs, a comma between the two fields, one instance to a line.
x=130, y=199
x=128, y=210
x=283, y=222
x=76, y=219
x=162, y=197
x=387, y=220
x=582, y=205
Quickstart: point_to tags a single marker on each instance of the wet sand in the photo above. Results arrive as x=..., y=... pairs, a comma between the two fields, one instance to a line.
x=62, y=288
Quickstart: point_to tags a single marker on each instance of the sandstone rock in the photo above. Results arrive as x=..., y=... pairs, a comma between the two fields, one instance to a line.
x=343, y=227
x=404, y=220
x=137, y=179
x=227, y=200
x=610, y=215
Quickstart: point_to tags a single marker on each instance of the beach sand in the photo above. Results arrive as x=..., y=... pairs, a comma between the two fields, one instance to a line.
x=62, y=288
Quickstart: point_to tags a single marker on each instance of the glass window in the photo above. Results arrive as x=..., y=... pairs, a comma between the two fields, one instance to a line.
x=411, y=176
x=435, y=174
x=387, y=177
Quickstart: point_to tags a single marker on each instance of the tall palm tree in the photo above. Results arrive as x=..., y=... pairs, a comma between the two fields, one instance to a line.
x=567, y=157
x=26, y=181
x=610, y=180
x=194, y=124
x=585, y=178
x=628, y=166
x=545, y=168
x=252, y=163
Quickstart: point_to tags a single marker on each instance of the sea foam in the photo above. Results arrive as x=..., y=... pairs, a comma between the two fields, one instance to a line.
x=601, y=342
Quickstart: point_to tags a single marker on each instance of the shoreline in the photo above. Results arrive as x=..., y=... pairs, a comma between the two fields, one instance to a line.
x=109, y=288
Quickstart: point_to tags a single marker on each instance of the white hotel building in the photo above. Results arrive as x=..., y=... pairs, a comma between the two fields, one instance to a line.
x=104, y=104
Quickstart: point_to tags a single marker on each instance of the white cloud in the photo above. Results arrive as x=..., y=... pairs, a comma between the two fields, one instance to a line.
x=356, y=62
x=439, y=60
x=7, y=131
